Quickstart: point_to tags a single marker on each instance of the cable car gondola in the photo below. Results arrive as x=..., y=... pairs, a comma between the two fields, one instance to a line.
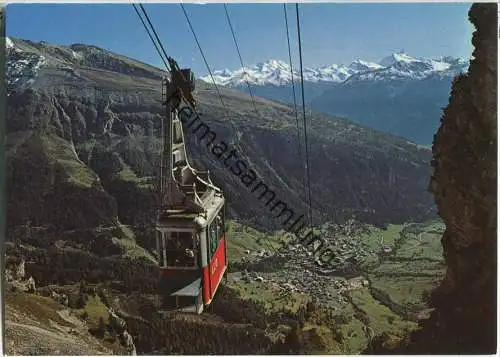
x=190, y=226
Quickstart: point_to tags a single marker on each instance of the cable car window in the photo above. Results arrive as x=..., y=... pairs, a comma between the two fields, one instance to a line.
x=181, y=249
x=220, y=225
x=213, y=239
x=159, y=248
x=216, y=232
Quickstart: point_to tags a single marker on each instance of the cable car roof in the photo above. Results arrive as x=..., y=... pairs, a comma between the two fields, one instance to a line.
x=183, y=219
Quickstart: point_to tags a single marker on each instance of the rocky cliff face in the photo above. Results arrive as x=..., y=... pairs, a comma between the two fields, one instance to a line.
x=464, y=186
x=465, y=191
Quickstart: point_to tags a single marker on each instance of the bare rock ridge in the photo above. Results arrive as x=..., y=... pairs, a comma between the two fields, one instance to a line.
x=464, y=187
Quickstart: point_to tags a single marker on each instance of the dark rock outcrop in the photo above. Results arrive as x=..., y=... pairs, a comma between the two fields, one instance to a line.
x=465, y=190
x=464, y=185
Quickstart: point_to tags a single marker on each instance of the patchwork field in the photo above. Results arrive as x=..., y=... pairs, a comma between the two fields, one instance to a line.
x=404, y=263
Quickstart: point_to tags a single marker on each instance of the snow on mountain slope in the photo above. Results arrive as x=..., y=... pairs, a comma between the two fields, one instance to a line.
x=404, y=67
x=22, y=66
x=8, y=43
x=275, y=72
x=396, y=66
x=362, y=66
x=30, y=63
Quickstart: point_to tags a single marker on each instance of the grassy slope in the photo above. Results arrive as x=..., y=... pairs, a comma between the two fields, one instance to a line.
x=125, y=239
x=38, y=325
x=56, y=151
x=60, y=155
x=242, y=238
x=416, y=267
x=62, y=151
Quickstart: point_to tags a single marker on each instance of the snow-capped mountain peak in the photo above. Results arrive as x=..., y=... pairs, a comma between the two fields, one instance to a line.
x=397, y=58
x=223, y=73
x=270, y=72
x=277, y=72
x=361, y=66
x=273, y=65
x=399, y=65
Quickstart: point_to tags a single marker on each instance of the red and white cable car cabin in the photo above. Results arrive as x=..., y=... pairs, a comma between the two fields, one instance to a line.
x=193, y=257
x=190, y=227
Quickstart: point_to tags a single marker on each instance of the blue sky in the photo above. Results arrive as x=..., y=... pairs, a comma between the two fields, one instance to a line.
x=331, y=33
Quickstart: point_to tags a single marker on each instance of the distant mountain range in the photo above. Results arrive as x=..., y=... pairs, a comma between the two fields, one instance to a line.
x=401, y=94
x=396, y=66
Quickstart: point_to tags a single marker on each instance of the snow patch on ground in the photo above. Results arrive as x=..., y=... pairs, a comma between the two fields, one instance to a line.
x=8, y=43
x=22, y=68
x=76, y=55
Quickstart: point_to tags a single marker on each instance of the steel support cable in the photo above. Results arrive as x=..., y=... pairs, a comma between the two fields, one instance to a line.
x=164, y=60
x=304, y=114
x=241, y=60
x=209, y=70
x=270, y=247
x=169, y=59
x=293, y=84
x=244, y=74
x=154, y=32
x=202, y=54
x=151, y=37
x=238, y=141
x=192, y=107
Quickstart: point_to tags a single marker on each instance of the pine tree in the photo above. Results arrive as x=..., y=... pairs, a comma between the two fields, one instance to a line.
x=81, y=295
x=101, y=330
